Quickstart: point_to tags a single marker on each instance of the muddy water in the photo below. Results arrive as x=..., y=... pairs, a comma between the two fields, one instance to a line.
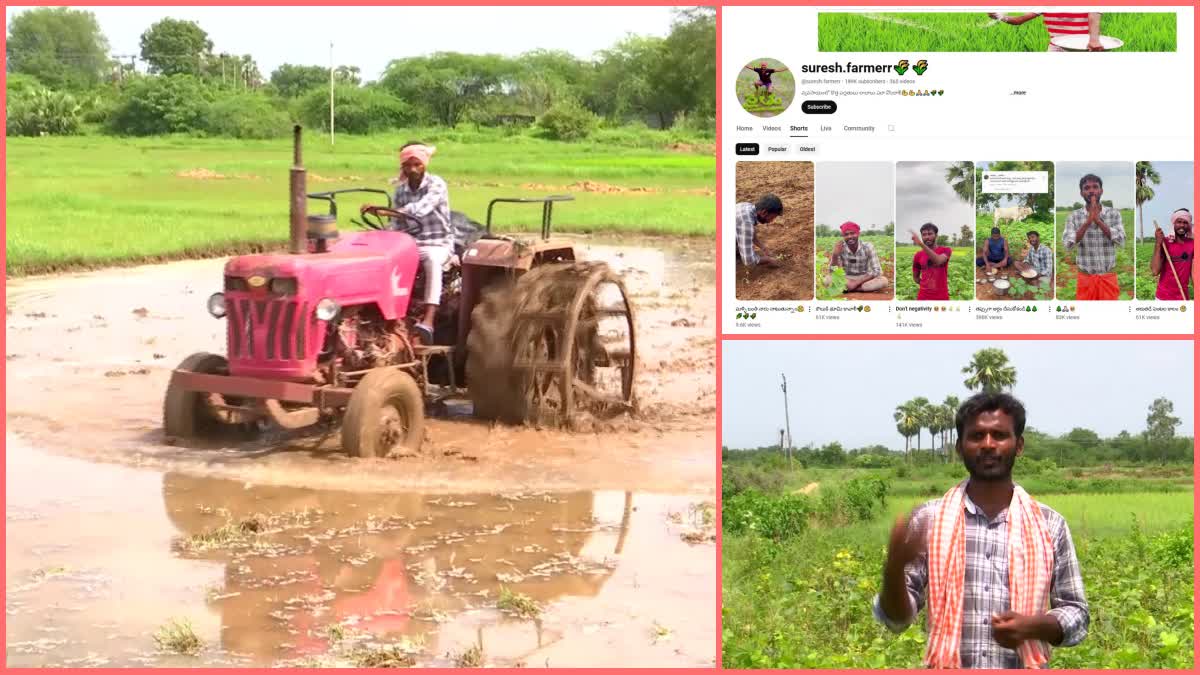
x=329, y=558
x=100, y=559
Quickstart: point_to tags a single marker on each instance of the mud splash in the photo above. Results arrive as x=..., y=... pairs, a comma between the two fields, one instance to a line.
x=105, y=557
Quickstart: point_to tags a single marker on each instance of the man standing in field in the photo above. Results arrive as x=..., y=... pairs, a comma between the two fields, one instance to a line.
x=1039, y=257
x=425, y=201
x=748, y=217
x=764, y=76
x=1182, y=251
x=1061, y=23
x=864, y=274
x=930, y=266
x=997, y=570
x=1097, y=231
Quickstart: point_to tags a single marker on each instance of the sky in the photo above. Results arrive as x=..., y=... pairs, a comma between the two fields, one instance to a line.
x=1175, y=191
x=370, y=37
x=924, y=196
x=862, y=192
x=1117, y=177
x=846, y=391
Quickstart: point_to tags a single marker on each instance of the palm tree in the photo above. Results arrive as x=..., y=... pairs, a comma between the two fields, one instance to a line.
x=920, y=407
x=906, y=417
x=904, y=429
x=989, y=371
x=950, y=406
x=961, y=177
x=1146, y=175
x=935, y=421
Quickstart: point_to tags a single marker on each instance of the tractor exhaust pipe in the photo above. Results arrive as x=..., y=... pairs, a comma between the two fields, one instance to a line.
x=299, y=203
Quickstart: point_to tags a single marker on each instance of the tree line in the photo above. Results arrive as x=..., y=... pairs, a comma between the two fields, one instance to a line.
x=989, y=370
x=59, y=60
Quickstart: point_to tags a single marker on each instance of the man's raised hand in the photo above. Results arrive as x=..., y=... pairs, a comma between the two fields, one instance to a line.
x=906, y=543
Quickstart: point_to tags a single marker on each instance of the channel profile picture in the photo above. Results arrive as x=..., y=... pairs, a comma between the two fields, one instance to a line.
x=765, y=87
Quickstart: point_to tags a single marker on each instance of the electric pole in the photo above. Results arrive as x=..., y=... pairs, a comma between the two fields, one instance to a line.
x=786, y=420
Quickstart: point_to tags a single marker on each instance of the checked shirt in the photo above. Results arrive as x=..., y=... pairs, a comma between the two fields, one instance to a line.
x=1097, y=253
x=986, y=580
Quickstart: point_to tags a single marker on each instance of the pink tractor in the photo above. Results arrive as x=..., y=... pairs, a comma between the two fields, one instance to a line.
x=524, y=331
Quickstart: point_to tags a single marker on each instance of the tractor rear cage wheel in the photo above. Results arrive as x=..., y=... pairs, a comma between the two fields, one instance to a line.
x=557, y=345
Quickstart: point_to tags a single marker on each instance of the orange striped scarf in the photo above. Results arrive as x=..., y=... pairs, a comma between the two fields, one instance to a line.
x=1030, y=565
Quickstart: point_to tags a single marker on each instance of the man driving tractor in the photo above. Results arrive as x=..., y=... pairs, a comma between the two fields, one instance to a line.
x=424, y=200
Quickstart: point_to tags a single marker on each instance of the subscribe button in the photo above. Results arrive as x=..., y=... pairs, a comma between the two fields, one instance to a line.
x=819, y=107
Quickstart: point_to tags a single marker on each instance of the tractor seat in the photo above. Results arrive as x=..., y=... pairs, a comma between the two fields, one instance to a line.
x=466, y=232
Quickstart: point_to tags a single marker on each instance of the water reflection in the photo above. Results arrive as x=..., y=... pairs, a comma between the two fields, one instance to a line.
x=399, y=566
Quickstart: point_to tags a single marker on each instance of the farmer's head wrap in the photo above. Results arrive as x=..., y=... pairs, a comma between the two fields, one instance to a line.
x=850, y=228
x=1185, y=213
x=418, y=152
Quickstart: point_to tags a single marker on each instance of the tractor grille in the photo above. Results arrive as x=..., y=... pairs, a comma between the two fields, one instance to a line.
x=265, y=329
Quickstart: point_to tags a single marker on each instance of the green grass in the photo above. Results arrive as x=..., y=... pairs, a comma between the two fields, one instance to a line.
x=96, y=200
x=1067, y=280
x=927, y=480
x=471, y=657
x=1146, y=284
x=961, y=277
x=517, y=604
x=782, y=602
x=229, y=535
x=381, y=656
x=884, y=248
x=178, y=636
x=975, y=32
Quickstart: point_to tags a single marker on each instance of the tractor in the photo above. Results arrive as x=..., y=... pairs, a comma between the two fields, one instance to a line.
x=525, y=330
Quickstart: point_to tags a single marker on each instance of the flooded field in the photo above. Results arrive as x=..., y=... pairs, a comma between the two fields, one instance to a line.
x=495, y=545
x=107, y=556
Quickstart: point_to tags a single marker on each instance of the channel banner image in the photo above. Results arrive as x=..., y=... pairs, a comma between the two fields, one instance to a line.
x=996, y=31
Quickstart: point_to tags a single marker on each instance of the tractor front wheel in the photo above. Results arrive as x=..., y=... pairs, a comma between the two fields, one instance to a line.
x=188, y=414
x=386, y=414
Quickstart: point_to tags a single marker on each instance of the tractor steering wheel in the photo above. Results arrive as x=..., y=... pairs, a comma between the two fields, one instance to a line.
x=373, y=217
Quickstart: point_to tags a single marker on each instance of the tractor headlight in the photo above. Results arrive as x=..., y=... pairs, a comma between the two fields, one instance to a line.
x=327, y=309
x=216, y=305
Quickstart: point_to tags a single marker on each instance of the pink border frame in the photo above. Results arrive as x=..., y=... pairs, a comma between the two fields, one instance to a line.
x=721, y=337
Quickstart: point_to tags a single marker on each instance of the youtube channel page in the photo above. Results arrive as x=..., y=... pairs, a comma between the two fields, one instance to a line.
x=924, y=170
